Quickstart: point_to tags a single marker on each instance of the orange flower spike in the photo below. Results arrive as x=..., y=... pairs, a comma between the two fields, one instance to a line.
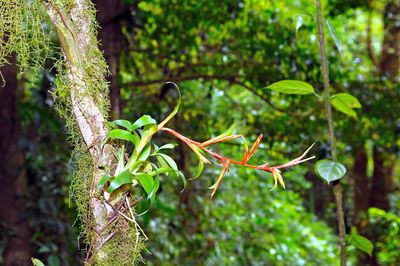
x=254, y=148
x=276, y=173
x=221, y=175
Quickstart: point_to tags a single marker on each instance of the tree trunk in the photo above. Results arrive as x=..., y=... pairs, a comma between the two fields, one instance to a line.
x=382, y=180
x=109, y=17
x=13, y=191
x=75, y=30
x=361, y=189
x=389, y=63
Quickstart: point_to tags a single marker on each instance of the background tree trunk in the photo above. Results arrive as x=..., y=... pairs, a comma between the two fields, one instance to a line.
x=13, y=190
x=109, y=16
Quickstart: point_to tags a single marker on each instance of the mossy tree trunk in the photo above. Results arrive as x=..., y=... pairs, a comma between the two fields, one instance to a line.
x=88, y=92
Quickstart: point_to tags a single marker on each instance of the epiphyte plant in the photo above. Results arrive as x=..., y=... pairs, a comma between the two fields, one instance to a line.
x=141, y=162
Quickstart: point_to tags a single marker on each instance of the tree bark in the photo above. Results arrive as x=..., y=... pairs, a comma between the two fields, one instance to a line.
x=75, y=32
x=13, y=190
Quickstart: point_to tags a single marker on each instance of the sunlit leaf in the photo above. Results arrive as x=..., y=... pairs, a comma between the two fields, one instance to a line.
x=291, y=87
x=37, y=262
x=123, y=123
x=143, y=121
x=123, y=135
x=345, y=103
x=167, y=146
x=330, y=170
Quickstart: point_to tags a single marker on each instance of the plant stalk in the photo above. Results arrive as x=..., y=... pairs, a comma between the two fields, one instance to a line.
x=337, y=188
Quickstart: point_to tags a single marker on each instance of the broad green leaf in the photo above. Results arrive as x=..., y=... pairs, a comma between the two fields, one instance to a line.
x=123, y=178
x=291, y=87
x=146, y=181
x=330, y=170
x=124, y=135
x=345, y=103
x=103, y=181
x=123, y=123
x=143, y=121
x=37, y=262
x=169, y=160
x=145, y=153
x=361, y=243
x=335, y=38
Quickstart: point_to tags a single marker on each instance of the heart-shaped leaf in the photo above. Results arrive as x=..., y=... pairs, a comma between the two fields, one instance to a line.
x=291, y=87
x=330, y=170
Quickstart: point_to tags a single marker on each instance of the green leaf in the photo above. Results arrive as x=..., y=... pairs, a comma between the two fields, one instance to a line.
x=173, y=113
x=147, y=133
x=169, y=160
x=292, y=87
x=123, y=123
x=123, y=178
x=103, y=181
x=345, y=103
x=361, y=243
x=53, y=260
x=37, y=262
x=156, y=186
x=143, y=121
x=335, y=38
x=167, y=146
x=124, y=135
x=183, y=178
x=330, y=170
x=146, y=181
x=145, y=153
x=200, y=168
